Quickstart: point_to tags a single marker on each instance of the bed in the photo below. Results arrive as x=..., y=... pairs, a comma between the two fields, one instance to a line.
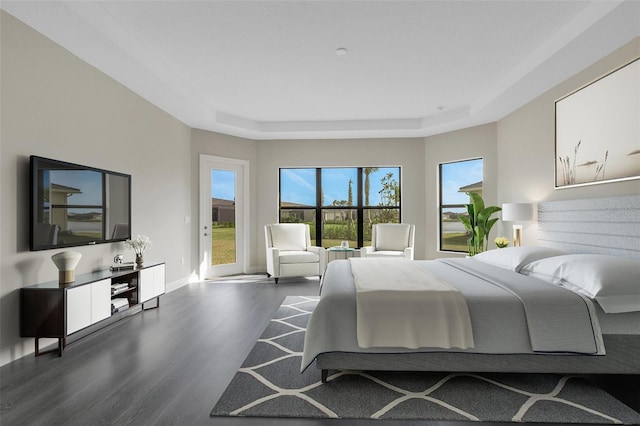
x=574, y=330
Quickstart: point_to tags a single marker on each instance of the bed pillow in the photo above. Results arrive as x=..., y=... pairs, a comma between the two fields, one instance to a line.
x=614, y=282
x=513, y=258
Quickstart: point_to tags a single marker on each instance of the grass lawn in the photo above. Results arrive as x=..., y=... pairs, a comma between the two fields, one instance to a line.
x=223, y=245
x=454, y=241
x=332, y=243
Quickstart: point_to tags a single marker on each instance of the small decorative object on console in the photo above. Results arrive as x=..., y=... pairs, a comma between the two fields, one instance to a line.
x=501, y=242
x=119, y=265
x=139, y=244
x=66, y=262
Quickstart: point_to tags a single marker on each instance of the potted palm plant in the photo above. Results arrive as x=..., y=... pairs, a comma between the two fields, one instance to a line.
x=478, y=224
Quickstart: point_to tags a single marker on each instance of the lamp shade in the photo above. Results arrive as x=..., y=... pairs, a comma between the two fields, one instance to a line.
x=66, y=262
x=518, y=212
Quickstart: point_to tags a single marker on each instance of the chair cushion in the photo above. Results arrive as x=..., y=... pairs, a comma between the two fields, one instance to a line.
x=290, y=236
x=297, y=256
x=392, y=236
x=386, y=253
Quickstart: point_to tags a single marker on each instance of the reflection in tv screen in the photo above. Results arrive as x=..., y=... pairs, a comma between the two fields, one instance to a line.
x=75, y=205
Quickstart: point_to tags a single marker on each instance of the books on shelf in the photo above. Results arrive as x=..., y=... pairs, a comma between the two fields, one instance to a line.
x=119, y=304
x=123, y=266
x=118, y=287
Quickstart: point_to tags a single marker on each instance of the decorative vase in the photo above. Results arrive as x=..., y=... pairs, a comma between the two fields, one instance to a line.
x=66, y=262
x=139, y=260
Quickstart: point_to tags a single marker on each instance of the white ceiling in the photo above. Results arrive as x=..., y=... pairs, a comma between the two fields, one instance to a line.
x=269, y=69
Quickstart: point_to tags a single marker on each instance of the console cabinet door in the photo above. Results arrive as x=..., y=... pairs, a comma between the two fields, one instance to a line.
x=88, y=304
x=151, y=282
x=100, y=300
x=159, y=280
x=78, y=308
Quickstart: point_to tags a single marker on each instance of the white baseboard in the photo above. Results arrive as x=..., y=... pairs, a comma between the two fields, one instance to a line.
x=174, y=285
x=257, y=270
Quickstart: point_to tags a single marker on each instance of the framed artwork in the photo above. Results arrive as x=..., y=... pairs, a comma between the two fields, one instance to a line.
x=598, y=130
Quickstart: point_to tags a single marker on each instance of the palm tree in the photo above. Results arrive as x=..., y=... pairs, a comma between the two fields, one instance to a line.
x=367, y=184
x=367, y=187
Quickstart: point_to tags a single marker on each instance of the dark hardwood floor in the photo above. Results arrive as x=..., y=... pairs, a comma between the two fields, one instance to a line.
x=164, y=366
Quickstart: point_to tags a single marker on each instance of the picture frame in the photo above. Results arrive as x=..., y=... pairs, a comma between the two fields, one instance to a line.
x=597, y=130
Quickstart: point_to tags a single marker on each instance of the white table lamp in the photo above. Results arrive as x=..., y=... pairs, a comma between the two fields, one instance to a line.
x=518, y=212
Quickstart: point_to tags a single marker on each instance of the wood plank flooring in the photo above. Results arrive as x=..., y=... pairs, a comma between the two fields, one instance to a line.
x=164, y=366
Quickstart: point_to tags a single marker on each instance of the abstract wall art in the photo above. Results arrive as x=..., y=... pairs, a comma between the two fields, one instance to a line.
x=598, y=130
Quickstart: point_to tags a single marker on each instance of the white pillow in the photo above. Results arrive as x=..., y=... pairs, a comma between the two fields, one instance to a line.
x=513, y=258
x=614, y=282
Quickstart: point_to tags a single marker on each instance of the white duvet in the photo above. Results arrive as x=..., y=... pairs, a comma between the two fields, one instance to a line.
x=400, y=304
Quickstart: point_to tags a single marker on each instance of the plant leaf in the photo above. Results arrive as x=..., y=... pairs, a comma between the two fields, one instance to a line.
x=465, y=222
x=477, y=202
x=485, y=214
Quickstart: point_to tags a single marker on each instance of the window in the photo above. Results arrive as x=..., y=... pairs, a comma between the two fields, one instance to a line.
x=344, y=201
x=457, y=180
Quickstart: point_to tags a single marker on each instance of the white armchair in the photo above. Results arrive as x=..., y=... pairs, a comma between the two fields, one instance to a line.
x=290, y=253
x=391, y=240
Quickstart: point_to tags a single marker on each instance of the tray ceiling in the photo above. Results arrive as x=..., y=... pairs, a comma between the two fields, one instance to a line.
x=335, y=69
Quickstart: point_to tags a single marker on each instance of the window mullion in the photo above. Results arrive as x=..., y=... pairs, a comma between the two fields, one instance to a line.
x=319, y=207
x=360, y=209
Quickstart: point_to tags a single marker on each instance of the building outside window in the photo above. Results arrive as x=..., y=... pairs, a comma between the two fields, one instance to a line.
x=457, y=179
x=344, y=201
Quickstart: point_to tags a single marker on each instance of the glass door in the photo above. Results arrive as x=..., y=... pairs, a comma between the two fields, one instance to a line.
x=222, y=216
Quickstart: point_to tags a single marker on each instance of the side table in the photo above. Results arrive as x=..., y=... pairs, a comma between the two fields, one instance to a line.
x=336, y=253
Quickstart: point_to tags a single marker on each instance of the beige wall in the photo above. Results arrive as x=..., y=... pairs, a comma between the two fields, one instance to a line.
x=474, y=142
x=526, y=146
x=216, y=144
x=56, y=106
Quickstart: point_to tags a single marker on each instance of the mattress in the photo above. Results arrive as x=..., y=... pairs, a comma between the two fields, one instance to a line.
x=511, y=314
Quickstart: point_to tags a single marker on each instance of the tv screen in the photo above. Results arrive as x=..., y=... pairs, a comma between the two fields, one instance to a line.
x=73, y=205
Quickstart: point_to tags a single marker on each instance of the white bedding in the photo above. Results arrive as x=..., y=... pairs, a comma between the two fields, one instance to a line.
x=402, y=305
x=510, y=313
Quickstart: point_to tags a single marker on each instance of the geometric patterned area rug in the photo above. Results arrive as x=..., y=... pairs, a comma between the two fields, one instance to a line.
x=269, y=384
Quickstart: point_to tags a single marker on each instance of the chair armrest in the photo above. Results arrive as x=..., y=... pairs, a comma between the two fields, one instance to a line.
x=273, y=261
x=408, y=253
x=322, y=254
x=366, y=250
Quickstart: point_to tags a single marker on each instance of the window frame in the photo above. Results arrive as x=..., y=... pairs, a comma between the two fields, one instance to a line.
x=359, y=200
x=442, y=206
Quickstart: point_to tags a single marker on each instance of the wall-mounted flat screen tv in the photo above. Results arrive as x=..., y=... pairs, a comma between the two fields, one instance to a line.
x=74, y=205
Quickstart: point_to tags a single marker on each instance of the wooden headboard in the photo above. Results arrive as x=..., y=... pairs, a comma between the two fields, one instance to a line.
x=595, y=225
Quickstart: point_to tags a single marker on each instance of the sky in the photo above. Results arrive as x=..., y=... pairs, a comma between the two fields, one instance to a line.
x=87, y=181
x=298, y=185
x=456, y=175
x=223, y=184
